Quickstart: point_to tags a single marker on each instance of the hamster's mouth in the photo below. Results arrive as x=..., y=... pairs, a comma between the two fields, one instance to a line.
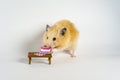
x=55, y=47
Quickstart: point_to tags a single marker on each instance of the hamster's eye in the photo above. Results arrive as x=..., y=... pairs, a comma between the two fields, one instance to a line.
x=54, y=38
x=47, y=38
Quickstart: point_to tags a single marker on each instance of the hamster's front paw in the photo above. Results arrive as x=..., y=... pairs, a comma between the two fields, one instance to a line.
x=72, y=55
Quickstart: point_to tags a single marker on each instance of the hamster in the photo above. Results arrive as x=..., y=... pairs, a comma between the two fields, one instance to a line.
x=62, y=35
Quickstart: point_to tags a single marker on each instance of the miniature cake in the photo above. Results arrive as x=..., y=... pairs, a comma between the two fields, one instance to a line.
x=44, y=50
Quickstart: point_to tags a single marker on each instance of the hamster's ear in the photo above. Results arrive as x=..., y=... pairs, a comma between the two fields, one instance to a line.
x=47, y=27
x=63, y=31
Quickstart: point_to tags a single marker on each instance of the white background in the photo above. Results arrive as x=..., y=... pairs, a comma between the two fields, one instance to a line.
x=22, y=23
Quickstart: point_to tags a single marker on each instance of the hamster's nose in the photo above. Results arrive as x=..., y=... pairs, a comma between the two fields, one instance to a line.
x=48, y=45
x=45, y=45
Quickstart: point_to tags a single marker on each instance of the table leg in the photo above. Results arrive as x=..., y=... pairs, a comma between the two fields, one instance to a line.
x=29, y=60
x=49, y=59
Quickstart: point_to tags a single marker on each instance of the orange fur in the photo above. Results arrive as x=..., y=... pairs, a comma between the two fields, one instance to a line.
x=68, y=41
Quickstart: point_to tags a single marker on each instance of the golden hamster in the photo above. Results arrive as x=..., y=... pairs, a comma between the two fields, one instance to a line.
x=62, y=35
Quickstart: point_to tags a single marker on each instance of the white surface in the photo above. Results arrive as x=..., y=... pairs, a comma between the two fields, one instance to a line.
x=63, y=67
x=22, y=23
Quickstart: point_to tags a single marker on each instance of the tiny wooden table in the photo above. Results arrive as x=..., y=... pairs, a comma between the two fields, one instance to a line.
x=33, y=54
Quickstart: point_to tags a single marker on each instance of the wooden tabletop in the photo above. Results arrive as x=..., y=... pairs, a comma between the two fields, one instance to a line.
x=33, y=54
